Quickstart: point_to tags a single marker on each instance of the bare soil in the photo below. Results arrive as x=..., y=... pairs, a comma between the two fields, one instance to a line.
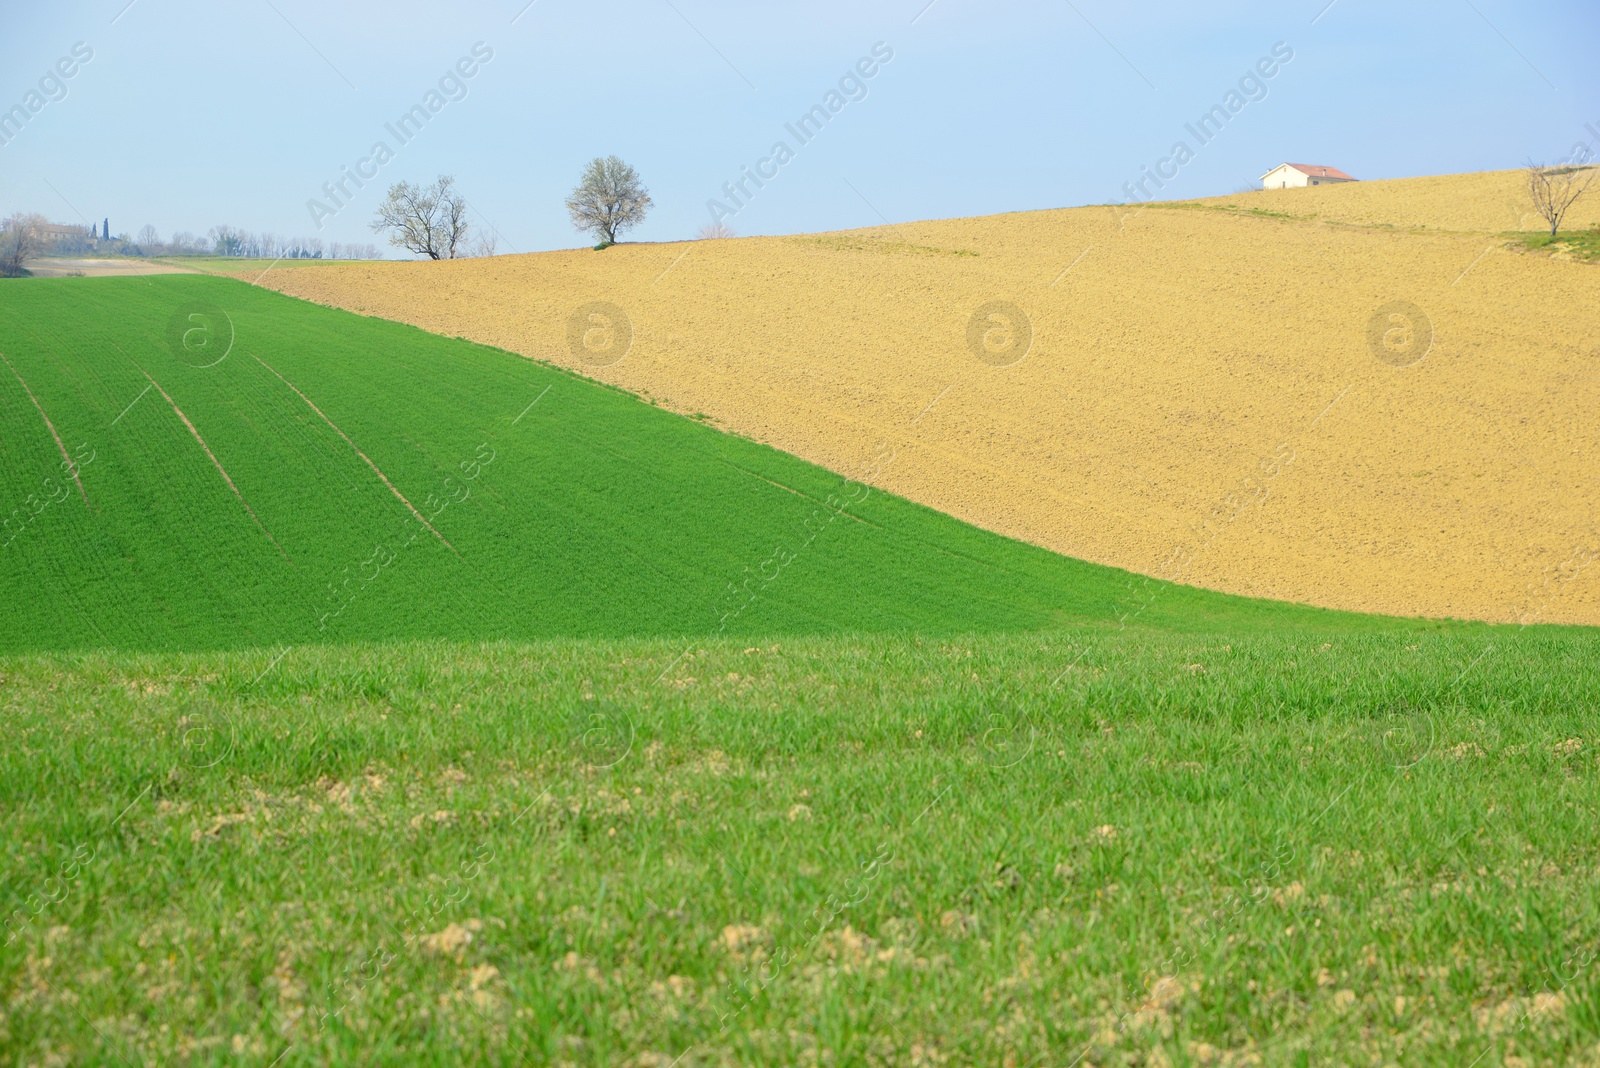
x=98, y=268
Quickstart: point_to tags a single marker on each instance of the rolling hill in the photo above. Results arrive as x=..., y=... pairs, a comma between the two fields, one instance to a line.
x=379, y=696
x=194, y=463
x=1367, y=396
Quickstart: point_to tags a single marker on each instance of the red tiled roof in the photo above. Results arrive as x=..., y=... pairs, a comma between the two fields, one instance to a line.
x=1318, y=171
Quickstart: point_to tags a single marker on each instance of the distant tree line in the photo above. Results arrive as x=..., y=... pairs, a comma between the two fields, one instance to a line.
x=27, y=235
x=228, y=241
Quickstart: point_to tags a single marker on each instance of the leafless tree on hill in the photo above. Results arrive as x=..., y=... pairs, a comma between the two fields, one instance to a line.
x=714, y=231
x=21, y=238
x=426, y=220
x=1555, y=189
x=609, y=199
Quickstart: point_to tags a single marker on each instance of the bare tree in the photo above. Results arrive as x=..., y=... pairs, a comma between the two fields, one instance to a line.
x=426, y=220
x=486, y=245
x=21, y=238
x=453, y=210
x=609, y=199
x=716, y=230
x=1556, y=189
x=148, y=240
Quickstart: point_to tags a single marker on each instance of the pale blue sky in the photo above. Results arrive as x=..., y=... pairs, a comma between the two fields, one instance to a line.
x=193, y=114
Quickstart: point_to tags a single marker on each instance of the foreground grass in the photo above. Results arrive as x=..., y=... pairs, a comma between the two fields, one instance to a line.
x=1291, y=849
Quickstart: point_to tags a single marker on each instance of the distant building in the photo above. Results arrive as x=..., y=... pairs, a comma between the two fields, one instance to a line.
x=1295, y=175
x=62, y=232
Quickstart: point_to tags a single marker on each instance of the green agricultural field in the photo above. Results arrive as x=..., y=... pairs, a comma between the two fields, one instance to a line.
x=381, y=698
x=337, y=478
x=1229, y=848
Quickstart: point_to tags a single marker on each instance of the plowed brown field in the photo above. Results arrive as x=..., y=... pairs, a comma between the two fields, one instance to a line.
x=1243, y=402
x=1492, y=202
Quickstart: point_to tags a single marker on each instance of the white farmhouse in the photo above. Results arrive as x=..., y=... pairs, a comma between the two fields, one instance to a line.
x=1295, y=175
